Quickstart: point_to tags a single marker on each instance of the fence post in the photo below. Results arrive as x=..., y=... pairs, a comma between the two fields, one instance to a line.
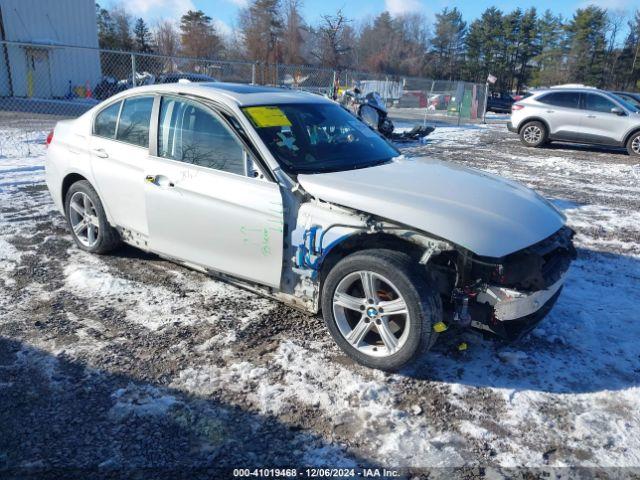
x=484, y=109
x=133, y=70
x=253, y=73
x=460, y=101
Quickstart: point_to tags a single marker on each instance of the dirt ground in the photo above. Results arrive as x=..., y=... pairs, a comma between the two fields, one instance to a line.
x=129, y=363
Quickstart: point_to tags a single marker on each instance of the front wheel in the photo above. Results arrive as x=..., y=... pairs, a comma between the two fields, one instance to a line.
x=633, y=145
x=534, y=134
x=380, y=308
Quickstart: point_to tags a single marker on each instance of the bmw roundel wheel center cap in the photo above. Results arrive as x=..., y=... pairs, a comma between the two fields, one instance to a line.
x=372, y=312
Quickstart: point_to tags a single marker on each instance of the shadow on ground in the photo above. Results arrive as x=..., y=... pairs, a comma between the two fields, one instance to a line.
x=61, y=418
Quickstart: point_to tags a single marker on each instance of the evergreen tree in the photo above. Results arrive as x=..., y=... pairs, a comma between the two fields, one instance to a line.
x=375, y=43
x=512, y=47
x=261, y=25
x=530, y=47
x=587, y=37
x=485, y=46
x=628, y=66
x=447, y=45
x=551, y=61
x=121, y=19
x=106, y=28
x=198, y=36
x=142, y=36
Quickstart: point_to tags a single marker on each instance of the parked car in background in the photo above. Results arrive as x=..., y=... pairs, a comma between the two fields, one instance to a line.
x=176, y=76
x=499, y=102
x=289, y=195
x=577, y=115
x=522, y=96
x=106, y=87
x=632, y=98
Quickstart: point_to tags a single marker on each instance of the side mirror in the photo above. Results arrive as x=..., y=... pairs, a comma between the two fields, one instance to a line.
x=618, y=111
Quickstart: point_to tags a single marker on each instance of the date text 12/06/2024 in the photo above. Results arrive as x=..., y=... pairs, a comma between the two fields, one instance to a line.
x=316, y=473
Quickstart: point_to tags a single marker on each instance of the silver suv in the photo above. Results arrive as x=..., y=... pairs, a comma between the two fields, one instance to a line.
x=577, y=115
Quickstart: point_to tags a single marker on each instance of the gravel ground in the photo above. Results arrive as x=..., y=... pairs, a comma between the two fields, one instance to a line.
x=130, y=363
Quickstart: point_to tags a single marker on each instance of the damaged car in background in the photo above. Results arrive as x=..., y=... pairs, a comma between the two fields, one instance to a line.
x=289, y=195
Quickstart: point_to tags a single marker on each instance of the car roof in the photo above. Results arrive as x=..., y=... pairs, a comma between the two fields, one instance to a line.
x=631, y=94
x=185, y=74
x=233, y=93
x=571, y=89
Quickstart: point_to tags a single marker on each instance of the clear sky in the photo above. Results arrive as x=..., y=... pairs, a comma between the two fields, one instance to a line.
x=225, y=12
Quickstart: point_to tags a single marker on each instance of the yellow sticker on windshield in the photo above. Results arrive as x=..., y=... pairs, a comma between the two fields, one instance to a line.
x=263, y=117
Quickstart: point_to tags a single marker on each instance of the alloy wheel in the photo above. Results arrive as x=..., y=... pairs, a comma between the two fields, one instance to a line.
x=635, y=145
x=532, y=134
x=371, y=314
x=84, y=219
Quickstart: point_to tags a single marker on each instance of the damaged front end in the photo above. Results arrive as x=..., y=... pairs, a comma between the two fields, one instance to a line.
x=509, y=296
x=505, y=296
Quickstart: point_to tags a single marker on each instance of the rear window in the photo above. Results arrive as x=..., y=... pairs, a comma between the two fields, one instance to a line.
x=106, y=120
x=561, y=99
x=134, y=121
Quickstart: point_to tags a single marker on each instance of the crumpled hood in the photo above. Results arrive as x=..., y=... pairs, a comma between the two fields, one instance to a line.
x=486, y=214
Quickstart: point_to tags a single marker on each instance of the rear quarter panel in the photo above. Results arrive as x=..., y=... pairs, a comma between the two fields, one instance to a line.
x=68, y=153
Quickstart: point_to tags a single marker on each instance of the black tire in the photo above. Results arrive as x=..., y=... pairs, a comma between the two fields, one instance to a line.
x=534, y=134
x=633, y=144
x=423, y=304
x=107, y=237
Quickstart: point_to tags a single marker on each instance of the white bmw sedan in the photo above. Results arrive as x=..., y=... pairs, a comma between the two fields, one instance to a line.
x=289, y=195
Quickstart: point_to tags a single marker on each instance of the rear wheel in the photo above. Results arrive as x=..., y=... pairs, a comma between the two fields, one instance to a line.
x=380, y=309
x=633, y=144
x=87, y=220
x=534, y=134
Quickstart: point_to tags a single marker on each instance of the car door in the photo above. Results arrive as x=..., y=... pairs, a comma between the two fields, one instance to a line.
x=562, y=113
x=119, y=150
x=599, y=123
x=204, y=204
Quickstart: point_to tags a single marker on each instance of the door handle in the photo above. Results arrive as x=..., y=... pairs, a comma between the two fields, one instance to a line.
x=100, y=153
x=159, y=181
x=550, y=111
x=591, y=116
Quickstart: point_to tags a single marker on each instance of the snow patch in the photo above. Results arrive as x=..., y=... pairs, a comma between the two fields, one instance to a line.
x=140, y=401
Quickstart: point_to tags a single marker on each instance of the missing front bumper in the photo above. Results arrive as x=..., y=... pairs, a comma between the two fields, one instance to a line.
x=510, y=314
x=509, y=304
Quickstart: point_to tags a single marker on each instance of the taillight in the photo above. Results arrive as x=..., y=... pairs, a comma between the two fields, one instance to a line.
x=515, y=107
x=49, y=138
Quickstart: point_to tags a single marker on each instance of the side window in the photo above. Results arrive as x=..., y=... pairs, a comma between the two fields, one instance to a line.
x=561, y=99
x=106, y=121
x=134, y=121
x=191, y=134
x=598, y=103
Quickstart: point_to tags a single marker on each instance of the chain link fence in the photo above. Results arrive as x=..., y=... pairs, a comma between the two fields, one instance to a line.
x=60, y=81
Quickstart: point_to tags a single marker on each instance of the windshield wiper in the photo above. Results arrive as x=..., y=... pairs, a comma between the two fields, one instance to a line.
x=344, y=168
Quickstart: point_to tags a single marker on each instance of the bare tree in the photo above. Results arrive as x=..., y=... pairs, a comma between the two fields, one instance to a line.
x=122, y=21
x=293, y=35
x=261, y=26
x=167, y=40
x=615, y=22
x=336, y=41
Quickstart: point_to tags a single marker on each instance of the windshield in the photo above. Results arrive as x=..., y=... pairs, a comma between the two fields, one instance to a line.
x=628, y=102
x=318, y=137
